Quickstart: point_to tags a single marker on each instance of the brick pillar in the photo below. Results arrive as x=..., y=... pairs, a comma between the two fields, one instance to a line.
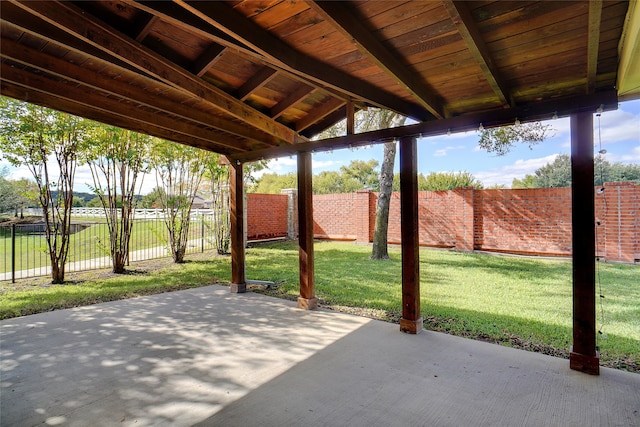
x=292, y=212
x=361, y=221
x=464, y=219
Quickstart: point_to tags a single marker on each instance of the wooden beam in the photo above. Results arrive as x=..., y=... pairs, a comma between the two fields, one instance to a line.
x=307, y=299
x=258, y=80
x=562, y=107
x=584, y=355
x=236, y=196
x=292, y=99
x=50, y=101
x=227, y=20
x=207, y=59
x=19, y=53
x=100, y=103
x=182, y=18
x=71, y=19
x=330, y=120
x=351, y=118
x=595, y=13
x=145, y=28
x=463, y=20
x=319, y=113
x=347, y=21
x=411, y=321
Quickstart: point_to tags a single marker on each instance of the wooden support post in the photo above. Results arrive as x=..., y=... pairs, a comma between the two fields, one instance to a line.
x=411, y=321
x=236, y=195
x=307, y=299
x=584, y=355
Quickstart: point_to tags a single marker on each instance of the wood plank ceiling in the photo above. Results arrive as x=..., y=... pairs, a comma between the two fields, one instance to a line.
x=253, y=78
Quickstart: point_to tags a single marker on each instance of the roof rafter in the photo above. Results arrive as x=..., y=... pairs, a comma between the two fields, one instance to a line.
x=346, y=21
x=207, y=59
x=595, y=13
x=463, y=20
x=292, y=99
x=319, y=112
x=21, y=54
x=69, y=18
x=145, y=28
x=47, y=100
x=233, y=24
x=88, y=104
x=261, y=78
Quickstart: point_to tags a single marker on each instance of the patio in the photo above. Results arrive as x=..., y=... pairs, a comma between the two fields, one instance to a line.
x=206, y=356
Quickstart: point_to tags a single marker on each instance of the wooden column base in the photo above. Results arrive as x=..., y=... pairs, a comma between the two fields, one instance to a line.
x=307, y=303
x=238, y=288
x=583, y=363
x=411, y=326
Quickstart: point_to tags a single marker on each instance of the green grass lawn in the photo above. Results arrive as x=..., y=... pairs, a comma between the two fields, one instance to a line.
x=515, y=301
x=92, y=242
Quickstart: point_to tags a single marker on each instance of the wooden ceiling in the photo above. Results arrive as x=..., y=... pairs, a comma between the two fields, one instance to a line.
x=253, y=79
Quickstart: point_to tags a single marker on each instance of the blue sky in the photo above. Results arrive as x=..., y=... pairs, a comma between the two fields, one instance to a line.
x=619, y=134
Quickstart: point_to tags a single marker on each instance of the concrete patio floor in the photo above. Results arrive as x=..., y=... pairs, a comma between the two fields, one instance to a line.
x=209, y=357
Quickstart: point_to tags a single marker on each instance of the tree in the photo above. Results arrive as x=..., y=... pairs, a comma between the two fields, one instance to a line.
x=7, y=194
x=499, y=140
x=151, y=200
x=272, y=183
x=179, y=171
x=94, y=203
x=117, y=160
x=527, y=182
x=30, y=135
x=217, y=173
x=441, y=181
x=364, y=174
x=558, y=172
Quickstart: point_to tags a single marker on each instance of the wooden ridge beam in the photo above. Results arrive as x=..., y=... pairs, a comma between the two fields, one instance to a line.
x=347, y=22
x=98, y=103
x=544, y=110
x=463, y=20
x=33, y=58
x=227, y=20
x=74, y=21
x=593, y=44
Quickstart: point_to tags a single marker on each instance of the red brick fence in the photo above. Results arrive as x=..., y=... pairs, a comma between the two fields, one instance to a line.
x=530, y=221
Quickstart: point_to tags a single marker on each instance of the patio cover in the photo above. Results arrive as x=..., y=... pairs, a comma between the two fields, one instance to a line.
x=259, y=79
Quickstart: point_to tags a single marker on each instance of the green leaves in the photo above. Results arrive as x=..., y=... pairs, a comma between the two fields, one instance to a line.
x=500, y=140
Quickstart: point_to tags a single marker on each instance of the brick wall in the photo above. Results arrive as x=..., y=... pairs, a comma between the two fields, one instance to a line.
x=266, y=216
x=530, y=221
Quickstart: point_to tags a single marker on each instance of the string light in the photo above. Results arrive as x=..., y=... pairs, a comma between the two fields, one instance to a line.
x=480, y=128
x=449, y=132
x=604, y=200
x=517, y=122
x=555, y=116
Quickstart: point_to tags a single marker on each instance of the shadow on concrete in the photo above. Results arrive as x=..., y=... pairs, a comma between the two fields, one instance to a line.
x=210, y=357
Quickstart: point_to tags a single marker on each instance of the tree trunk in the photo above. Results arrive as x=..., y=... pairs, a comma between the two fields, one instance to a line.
x=379, y=250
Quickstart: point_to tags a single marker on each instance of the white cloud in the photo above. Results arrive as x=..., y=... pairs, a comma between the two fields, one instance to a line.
x=505, y=174
x=324, y=165
x=617, y=126
x=633, y=156
x=444, y=151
